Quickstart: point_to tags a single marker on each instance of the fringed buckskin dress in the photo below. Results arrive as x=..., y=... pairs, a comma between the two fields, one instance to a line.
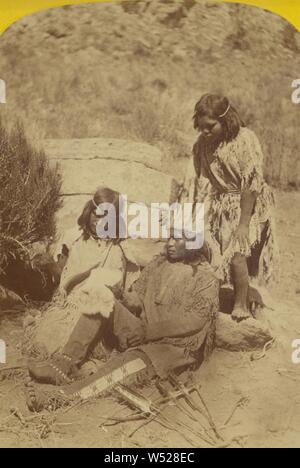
x=93, y=267
x=236, y=166
x=173, y=296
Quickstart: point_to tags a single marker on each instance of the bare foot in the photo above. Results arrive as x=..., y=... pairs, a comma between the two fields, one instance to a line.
x=254, y=301
x=240, y=313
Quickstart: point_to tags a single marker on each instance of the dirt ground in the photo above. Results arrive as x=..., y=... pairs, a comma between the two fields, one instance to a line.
x=264, y=393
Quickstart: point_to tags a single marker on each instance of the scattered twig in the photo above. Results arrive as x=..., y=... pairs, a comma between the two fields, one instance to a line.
x=237, y=440
x=115, y=421
x=16, y=412
x=151, y=411
x=145, y=423
x=203, y=411
x=262, y=354
x=12, y=368
x=289, y=374
x=185, y=394
x=209, y=416
x=239, y=404
x=169, y=395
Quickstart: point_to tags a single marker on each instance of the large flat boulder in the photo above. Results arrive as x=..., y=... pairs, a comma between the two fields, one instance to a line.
x=131, y=168
x=247, y=335
x=107, y=149
x=138, y=182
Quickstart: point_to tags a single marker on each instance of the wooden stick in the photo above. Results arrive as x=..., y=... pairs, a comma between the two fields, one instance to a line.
x=116, y=421
x=237, y=405
x=209, y=416
x=186, y=412
x=194, y=404
x=16, y=412
x=5, y=369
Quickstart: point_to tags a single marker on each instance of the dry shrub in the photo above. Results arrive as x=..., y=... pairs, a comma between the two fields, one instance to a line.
x=29, y=198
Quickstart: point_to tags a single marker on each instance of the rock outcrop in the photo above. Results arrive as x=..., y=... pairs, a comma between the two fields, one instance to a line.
x=131, y=168
x=247, y=335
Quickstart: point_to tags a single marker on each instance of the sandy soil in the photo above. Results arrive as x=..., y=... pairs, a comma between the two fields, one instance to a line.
x=269, y=411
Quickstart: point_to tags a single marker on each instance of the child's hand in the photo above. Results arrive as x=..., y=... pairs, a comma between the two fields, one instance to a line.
x=241, y=236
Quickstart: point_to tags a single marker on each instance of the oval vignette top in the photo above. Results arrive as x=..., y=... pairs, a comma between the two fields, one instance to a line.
x=288, y=9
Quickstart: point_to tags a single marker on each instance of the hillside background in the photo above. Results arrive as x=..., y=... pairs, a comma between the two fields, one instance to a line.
x=134, y=70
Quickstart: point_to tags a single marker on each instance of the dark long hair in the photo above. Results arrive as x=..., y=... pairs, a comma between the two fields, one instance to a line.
x=102, y=195
x=219, y=108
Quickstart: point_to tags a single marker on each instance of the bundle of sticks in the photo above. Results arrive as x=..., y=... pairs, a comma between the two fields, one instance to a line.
x=192, y=418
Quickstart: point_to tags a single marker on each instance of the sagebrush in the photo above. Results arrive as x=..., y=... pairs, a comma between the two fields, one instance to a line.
x=29, y=197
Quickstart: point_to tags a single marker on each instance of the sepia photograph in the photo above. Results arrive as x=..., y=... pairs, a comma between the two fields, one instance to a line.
x=149, y=228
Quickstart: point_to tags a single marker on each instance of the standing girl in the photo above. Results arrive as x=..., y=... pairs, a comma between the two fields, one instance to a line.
x=240, y=215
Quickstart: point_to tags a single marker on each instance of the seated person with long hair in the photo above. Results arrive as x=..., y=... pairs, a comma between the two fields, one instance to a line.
x=165, y=323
